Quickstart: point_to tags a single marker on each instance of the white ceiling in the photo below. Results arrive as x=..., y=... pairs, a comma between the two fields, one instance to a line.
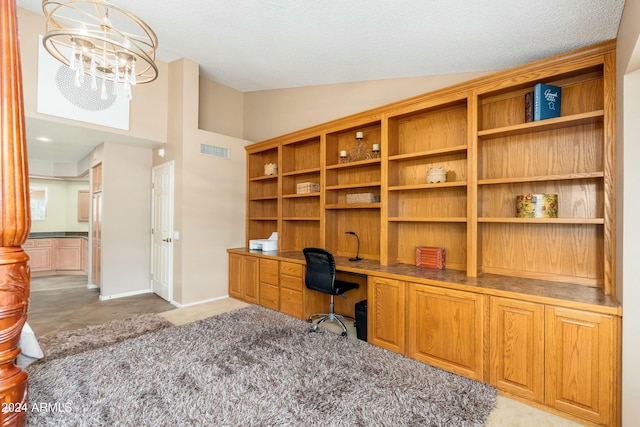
x=253, y=45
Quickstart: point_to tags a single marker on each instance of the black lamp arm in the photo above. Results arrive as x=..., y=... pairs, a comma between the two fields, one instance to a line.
x=357, y=257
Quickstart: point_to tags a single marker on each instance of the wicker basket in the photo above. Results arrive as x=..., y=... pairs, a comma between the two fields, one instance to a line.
x=307, y=187
x=363, y=198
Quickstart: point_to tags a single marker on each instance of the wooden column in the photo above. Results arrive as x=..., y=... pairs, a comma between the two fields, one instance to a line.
x=15, y=221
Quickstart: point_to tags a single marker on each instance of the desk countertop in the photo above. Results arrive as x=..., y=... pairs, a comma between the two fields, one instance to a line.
x=546, y=292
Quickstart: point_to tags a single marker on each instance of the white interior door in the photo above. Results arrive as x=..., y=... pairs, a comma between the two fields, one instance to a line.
x=162, y=231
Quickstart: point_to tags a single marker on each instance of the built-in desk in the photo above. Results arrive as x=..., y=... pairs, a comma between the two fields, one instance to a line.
x=555, y=345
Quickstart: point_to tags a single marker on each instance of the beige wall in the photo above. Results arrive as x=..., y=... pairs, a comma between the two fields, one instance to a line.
x=62, y=206
x=220, y=109
x=209, y=193
x=272, y=113
x=628, y=206
x=126, y=219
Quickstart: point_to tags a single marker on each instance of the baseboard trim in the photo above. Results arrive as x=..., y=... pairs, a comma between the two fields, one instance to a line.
x=125, y=294
x=177, y=304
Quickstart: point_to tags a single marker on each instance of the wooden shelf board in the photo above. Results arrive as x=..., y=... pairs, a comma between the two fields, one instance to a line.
x=262, y=199
x=561, y=177
x=263, y=218
x=302, y=172
x=353, y=186
x=427, y=186
x=353, y=206
x=300, y=218
x=543, y=125
x=595, y=221
x=426, y=219
x=353, y=164
x=263, y=178
x=430, y=153
x=294, y=196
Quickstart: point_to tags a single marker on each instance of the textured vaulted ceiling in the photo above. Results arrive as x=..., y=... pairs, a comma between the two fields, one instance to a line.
x=253, y=45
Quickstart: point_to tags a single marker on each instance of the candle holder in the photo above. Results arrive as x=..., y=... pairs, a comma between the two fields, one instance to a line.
x=343, y=156
x=361, y=149
x=375, y=151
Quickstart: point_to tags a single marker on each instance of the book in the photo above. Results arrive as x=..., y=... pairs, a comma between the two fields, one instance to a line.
x=528, y=107
x=546, y=101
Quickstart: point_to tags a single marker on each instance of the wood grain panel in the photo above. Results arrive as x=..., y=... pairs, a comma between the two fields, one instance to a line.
x=556, y=252
x=433, y=129
x=451, y=236
x=517, y=347
x=299, y=234
x=269, y=271
x=269, y=296
x=386, y=313
x=446, y=329
x=291, y=303
x=581, y=364
x=301, y=155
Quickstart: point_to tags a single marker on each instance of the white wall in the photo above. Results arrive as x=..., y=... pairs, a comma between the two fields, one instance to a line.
x=628, y=206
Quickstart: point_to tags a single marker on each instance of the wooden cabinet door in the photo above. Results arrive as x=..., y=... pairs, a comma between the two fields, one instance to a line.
x=83, y=205
x=517, y=347
x=446, y=329
x=582, y=364
x=40, y=253
x=250, y=272
x=235, y=276
x=385, y=313
x=68, y=254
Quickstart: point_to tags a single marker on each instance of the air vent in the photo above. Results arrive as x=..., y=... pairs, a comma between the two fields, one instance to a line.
x=212, y=150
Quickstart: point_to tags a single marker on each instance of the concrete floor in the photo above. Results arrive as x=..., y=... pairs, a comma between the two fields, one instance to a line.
x=62, y=303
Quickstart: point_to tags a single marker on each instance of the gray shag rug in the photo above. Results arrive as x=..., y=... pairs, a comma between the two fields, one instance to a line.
x=60, y=344
x=249, y=367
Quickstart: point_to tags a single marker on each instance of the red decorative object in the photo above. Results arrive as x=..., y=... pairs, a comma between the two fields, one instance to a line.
x=430, y=257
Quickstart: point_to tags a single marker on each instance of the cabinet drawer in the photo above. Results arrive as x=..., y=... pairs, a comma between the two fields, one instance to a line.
x=291, y=302
x=269, y=296
x=291, y=269
x=290, y=282
x=269, y=271
x=69, y=242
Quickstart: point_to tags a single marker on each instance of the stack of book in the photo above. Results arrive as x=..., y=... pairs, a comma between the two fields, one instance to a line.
x=430, y=257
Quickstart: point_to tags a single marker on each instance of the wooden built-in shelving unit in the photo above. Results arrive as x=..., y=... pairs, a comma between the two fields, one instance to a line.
x=532, y=299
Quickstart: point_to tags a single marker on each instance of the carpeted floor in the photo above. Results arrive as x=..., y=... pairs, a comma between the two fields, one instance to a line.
x=251, y=366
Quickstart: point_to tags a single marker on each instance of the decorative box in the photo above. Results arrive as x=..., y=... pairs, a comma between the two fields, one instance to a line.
x=537, y=206
x=271, y=169
x=430, y=257
x=436, y=175
x=307, y=187
x=363, y=198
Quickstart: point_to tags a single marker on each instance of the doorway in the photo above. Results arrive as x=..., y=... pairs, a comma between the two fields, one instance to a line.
x=162, y=230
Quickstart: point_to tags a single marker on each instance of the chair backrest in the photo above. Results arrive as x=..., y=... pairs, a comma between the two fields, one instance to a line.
x=321, y=270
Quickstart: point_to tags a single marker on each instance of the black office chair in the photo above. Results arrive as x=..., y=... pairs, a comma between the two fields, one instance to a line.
x=321, y=277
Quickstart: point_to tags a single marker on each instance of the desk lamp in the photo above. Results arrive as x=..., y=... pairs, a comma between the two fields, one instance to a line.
x=357, y=258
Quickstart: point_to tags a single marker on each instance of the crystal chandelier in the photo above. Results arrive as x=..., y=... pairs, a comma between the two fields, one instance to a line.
x=101, y=41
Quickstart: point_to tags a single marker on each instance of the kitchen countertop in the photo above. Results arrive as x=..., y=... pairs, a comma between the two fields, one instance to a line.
x=56, y=234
